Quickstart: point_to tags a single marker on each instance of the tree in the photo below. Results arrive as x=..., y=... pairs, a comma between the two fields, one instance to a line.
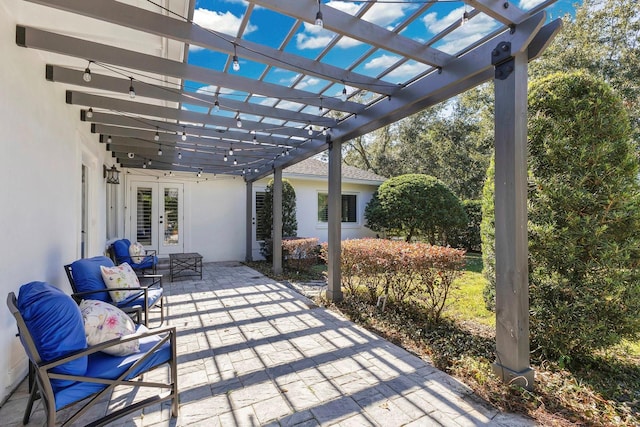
x=265, y=215
x=603, y=39
x=415, y=204
x=584, y=217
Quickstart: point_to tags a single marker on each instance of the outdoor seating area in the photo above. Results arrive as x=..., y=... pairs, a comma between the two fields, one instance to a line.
x=252, y=351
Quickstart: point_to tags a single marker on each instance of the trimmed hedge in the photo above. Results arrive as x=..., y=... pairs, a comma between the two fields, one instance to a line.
x=300, y=253
x=403, y=272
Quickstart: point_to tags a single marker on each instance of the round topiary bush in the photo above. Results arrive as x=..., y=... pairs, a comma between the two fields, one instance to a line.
x=415, y=205
x=584, y=218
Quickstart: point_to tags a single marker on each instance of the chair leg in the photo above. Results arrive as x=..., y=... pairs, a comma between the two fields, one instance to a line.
x=32, y=397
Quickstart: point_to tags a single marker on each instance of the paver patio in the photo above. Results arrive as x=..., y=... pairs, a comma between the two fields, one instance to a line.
x=254, y=352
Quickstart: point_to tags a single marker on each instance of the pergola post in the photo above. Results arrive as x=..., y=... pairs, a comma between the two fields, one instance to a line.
x=334, y=217
x=249, y=221
x=512, y=286
x=277, y=221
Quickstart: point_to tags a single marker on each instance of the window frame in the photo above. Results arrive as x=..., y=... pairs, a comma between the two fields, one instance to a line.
x=346, y=224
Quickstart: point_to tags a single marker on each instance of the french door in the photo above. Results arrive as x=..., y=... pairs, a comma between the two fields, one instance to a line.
x=157, y=216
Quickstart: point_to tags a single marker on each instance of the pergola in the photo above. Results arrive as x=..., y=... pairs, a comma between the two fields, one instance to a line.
x=325, y=73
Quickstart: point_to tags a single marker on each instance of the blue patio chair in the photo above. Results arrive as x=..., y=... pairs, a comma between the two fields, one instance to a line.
x=86, y=282
x=119, y=252
x=68, y=371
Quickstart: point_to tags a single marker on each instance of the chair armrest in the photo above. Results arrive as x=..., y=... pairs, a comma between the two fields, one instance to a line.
x=148, y=252
x=169, y=330
x=155, y=279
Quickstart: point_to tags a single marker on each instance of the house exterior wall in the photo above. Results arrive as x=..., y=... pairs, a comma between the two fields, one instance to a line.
x=44, y=145
x=307, y=207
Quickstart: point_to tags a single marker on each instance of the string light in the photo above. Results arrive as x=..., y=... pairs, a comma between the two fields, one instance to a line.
x=310, y=130
x=87, y=73
x=319, y=21
x=109, y=139
x=236, y=63
x=465, y=16
x=324, y=131
x=132, y=91
x=144, y=165
x=320, y=107
x=235, y=161
x=149, y=162
x=156, y=137
x=231, y=150
x=160, y=151
x=199, y=173
x=238, y=120
x=225, y=158
x=255, y=140
x=343, y=97
x=90, y=113
x=179, y=155
x=184, y=133
x=216, y=105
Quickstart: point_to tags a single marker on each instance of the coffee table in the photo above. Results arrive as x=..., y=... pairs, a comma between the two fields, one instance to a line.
x=185, y=264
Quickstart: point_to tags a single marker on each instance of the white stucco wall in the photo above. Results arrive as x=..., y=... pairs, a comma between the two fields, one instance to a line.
x=307, y=207
x=43, y=147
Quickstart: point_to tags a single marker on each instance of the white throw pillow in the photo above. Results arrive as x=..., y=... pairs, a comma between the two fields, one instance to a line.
x=137, y=252
x=104, y=322
x=120, y=276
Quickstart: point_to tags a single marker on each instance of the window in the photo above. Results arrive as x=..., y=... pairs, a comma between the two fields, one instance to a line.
x=348, y=211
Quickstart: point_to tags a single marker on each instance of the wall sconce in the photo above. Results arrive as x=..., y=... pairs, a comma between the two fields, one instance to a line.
x=112, y=174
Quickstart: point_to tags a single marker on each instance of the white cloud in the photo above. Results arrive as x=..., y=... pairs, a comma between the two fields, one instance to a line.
x=385, y=14
x=304, y=41
x=528, y=4
x=350, y=8
x=407, y=70
x=347, y=42
x=382, y=62
x=307, y=82
x=226, y=22
x=463, y=36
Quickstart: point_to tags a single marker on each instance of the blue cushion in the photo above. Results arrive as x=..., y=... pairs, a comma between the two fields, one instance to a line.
x=102, y=365
x=121, y=249
x=55, y=323
x=138, y=299
x=148, y=262
x=87, y=277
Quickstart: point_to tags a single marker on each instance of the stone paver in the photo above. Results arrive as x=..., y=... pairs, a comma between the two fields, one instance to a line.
x=253, y=352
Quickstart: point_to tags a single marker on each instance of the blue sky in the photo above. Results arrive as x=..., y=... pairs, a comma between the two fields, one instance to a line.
x=270, y=28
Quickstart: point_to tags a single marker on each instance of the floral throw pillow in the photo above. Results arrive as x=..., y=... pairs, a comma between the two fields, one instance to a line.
x=120, y=276
x=104, y=322
x=137, y=252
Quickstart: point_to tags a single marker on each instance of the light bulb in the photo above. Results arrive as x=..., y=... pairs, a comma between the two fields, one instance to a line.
x=179, y=156
x=239, y=122
x=236, y=63
x=256, y=170
x=216, y=106
x=90, y=113
x=132, y=91
x=149, y=162
x=235, y=162
x=465, y=18
x=225, y=158
x=156, y=137
x=109, y=139
x=87, y=75
x=310, y=130
x=184, y=135
x=231, y=151
x=255, y=140
x=160, y=151
x=144, y=166
x=319, y=21
x=343, y=97
x=324, y=131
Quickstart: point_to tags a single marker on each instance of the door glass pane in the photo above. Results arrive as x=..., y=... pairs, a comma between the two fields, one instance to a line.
x=171, y=223
x=143, y=227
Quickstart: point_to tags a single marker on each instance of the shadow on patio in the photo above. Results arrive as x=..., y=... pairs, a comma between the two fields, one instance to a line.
x=254, y=352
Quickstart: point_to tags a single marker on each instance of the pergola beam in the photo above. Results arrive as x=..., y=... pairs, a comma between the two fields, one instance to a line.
x=52, y=42
x=153, y=23
x=350, y=26
x=500, y=10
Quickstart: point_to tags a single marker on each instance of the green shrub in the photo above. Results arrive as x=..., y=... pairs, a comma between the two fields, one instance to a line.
x=265, y=217
x=404, y=272
x=415, y=205
x=584, y=218
x=468, y=237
